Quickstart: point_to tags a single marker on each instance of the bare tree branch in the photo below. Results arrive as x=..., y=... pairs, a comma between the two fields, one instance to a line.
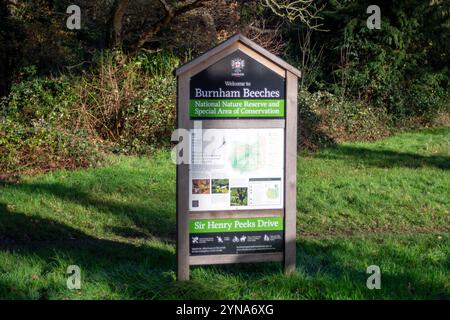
x=306, y=11
x=166, y=6
x=267, y=37
x=170, y=13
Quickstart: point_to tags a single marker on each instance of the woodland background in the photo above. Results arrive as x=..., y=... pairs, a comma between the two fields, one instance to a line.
x=68, y=97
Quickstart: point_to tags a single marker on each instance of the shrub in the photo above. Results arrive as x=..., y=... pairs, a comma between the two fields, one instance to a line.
x=401, y=69
x=33, y=130
x=43, y=146
x=130, y=103
x=122, y=105
x=38, y=99
x=325, y=119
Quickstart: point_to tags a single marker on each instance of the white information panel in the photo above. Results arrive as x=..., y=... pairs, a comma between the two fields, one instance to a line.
x=235, y=169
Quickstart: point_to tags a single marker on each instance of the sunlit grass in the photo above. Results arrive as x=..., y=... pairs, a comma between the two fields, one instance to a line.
x=385, y=203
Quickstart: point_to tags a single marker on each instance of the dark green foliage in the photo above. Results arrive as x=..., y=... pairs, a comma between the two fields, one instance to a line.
x=121, y=105
x=401, y=69
x=68, y=96
x=33, y=133
x=325, y=119
x=45, y=147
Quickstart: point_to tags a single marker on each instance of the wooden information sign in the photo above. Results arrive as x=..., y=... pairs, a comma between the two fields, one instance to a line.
x=236, y=193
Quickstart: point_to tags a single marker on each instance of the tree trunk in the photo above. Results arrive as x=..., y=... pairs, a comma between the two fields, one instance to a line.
x=170, y=14
x=115, y=36
x=10, y=51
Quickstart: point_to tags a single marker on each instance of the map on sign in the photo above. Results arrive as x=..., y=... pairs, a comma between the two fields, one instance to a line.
x=236, y=169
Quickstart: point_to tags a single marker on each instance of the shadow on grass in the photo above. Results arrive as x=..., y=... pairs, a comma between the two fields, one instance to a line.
x=147, y=272
x=155, y=222
x=124, y=270
x=105, y=262
x=111, y=269
x=384, y=158
x=330, y=270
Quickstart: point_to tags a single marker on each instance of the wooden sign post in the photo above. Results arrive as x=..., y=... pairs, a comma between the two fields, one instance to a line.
x=236, y=191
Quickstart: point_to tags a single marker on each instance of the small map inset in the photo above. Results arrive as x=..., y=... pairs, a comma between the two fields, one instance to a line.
x=243, y=157
x=273, y=193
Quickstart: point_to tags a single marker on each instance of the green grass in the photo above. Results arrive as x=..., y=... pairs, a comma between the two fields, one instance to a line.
x=397, y=185
x=359, y=204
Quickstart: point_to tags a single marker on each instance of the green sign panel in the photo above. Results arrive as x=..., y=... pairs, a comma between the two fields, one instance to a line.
x=236, y=236
x=236, y=225
x=240, y=108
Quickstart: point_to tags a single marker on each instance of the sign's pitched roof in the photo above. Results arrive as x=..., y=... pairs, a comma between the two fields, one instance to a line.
x=249, y=43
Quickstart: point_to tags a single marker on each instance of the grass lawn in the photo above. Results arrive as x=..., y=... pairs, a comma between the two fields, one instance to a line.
x=359, y=204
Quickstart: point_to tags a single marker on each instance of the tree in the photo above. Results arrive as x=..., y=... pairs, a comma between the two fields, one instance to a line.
x=5, y=50
x=115, y=34
x=305, y=11
x=170, y=12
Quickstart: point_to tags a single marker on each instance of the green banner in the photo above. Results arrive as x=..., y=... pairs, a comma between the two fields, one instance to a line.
x=236, y=225
x=236, y=108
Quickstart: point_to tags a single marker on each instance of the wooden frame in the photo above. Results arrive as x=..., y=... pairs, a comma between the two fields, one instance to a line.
x=289, y=124
x=290, y=214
